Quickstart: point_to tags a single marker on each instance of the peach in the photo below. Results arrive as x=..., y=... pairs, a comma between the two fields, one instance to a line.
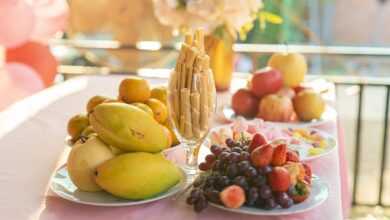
x=233, y=196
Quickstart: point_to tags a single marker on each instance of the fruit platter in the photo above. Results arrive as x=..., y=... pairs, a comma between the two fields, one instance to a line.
x=308, y=143
x=248, y=176
x=278, y=93
x=109, y=143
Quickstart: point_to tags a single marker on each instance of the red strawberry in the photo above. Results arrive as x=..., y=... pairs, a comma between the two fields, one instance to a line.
x=279, y=179
x=280, y=155
x=262, y=156
x=300, y=192
x=257, y=141
x=292, y=156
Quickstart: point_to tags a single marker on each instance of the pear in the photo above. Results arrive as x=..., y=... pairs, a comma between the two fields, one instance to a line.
x=137, y=175
x=83, y=160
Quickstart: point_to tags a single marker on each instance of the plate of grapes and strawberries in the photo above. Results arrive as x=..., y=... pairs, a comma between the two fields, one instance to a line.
x=261, y=180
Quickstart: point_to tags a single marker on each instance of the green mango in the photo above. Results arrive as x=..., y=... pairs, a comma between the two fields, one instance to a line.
x=138, y=175
x=129, y=128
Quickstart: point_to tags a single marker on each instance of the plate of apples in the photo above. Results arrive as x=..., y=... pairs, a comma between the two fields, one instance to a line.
x=257, y=181
x=279, y=94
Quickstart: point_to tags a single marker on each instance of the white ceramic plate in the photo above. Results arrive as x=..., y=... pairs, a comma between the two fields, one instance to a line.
x=62, y=186
x=329, y=114
x=303, y=152
x=319, y=193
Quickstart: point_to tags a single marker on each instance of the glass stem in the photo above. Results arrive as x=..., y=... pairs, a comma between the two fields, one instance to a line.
x=192, y=156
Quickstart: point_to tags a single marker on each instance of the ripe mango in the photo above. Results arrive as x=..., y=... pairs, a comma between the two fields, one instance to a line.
x=129, y=128
x=137, y=175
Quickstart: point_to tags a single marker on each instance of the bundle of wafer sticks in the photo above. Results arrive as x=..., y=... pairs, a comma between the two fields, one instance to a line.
x=192, y=88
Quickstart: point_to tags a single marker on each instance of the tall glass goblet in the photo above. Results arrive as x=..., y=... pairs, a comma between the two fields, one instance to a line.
x=191, y=105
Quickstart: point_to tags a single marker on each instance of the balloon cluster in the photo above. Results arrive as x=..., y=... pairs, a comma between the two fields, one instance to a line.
x=25, y=27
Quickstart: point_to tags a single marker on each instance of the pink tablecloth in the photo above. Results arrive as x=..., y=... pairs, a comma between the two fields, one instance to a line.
x=31, y=144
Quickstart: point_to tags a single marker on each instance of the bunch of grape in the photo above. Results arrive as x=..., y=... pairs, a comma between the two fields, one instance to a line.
x=232, y=166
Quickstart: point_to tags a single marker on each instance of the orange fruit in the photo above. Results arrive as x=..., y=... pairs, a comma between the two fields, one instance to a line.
x=159, y=109
x=159, y=93
x=134, y=89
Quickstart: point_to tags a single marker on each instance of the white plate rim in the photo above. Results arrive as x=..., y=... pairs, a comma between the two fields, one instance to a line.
x=324, y=188
x=178, y=187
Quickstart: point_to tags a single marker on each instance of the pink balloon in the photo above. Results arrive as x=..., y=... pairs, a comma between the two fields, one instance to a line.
x=16, y=22
x=51, y=17
x=16, y=82
x=23, y=76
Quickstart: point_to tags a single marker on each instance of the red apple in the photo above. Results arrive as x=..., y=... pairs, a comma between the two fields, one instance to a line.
x=262, y=156
x=279, y=179
x=275, y=108
x=245, y=103
x=266, y=81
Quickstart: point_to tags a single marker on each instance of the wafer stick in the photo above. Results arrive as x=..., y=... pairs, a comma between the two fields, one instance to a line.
x=182, y=111
x=204, y=105
x=195, y=107
x=189, y=62
x=187, y=115
x=199, y=37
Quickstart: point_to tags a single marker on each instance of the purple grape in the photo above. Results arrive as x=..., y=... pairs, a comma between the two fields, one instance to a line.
x=200, y=204
x=215, y=149
x=196, y=193
x=250, y=172
x=244, y=156
x=236, y=149
x=269, y=203
x=259, y=202
x=210, y=158
x=252, y=196
x=243, y=166
x=234, y=157
x=212, y=195
x=232, y=170
x=230, y=142
x=204, y=166
x=241, y=181
x=218, y=165
x=264, y=170
x=281, y=198
x=224, y=156
x=259, y=180
x=223, y=181
x=265, y=192
x=287, y=203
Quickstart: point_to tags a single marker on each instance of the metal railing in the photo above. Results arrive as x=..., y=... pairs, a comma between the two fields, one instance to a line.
x=361, y=82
